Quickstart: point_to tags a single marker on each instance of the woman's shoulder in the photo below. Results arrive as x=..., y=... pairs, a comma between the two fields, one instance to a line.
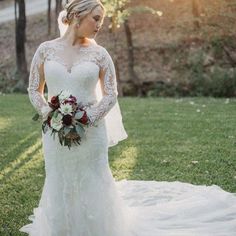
x=48, y=46
x=44, y=46
x=102, y=50
x=48, y=43
x=53, y=43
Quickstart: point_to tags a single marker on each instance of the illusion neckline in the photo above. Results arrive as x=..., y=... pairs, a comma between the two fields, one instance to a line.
x=63, y=43
x=57, y=43
x=66, y=67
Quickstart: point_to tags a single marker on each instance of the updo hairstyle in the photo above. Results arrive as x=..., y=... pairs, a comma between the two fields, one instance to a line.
x=78, y=8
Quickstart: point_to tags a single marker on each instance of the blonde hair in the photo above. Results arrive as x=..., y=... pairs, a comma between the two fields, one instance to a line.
x=80, y=8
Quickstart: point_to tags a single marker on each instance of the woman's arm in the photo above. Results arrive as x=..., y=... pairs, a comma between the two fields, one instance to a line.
x=37, y=83
x=107, y=77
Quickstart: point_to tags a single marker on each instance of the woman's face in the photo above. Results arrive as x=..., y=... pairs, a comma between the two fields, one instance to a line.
x=91, y=24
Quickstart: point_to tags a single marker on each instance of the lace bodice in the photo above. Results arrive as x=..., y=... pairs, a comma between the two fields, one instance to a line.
x=77, y=72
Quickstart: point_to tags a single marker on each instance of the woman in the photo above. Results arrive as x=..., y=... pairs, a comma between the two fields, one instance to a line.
x=80, y=196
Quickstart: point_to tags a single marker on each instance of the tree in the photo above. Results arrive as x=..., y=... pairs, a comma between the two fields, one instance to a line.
x=132, y=74
x=49, y=16
x=20, y=27
x=58, y=8
x=119, y=12
x=196, y=13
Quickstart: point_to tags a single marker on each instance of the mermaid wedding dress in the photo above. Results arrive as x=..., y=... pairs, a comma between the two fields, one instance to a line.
x=80, y=196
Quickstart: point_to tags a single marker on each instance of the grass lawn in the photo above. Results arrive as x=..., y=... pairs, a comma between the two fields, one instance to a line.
x=191, y=140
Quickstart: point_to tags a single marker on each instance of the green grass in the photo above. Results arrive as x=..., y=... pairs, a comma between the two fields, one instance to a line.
x=166, y=137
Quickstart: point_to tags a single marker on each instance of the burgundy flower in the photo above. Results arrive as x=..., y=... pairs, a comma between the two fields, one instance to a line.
x=67, y=119
x=84, y=119
x=71, y=100
x=55, y=102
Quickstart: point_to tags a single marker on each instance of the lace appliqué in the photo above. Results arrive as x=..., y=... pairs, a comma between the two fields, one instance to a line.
x=99, y=110
x=36, y=98
x=96, y=54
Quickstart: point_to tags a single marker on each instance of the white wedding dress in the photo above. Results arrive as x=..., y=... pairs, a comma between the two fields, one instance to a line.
x=80, y=196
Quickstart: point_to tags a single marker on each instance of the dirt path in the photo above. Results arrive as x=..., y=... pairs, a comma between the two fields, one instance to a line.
x=32, y=7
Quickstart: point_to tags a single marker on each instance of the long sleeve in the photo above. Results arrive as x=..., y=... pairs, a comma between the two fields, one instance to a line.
x=109, y=90
x=35, y=79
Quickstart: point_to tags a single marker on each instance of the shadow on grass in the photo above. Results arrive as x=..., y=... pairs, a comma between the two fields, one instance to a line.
x=13, y=152
x=23, y=157
x=136, y=161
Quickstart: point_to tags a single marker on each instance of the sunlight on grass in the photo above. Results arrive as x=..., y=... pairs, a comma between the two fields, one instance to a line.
x=126, y=162
x=34, y=162
x=128, y=157
x=18, y=144
x=4, y=123
x=168, y=140
x=21, y=159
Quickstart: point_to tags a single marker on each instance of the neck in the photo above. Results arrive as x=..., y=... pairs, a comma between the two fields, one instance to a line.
x=74, y=40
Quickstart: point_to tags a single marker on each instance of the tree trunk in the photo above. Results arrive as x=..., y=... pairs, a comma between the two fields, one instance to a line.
x=133, y=77
x=49, y=16
x=196, y=14
x=20, y=26
x=58, y=8
x=116, y=63
x=113, y=39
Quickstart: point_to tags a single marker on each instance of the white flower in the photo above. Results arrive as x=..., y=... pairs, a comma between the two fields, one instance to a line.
x=56, y=122
x=66, y=109
x=165, y=161
x=198, y=110
x=227, y=101
x=64, y=95
x=194, y=162
x=192, y=103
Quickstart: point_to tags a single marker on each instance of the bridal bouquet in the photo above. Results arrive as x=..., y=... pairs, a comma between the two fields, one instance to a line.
x=67, y=119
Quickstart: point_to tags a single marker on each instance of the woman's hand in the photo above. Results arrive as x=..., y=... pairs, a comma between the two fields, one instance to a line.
x=45, y=111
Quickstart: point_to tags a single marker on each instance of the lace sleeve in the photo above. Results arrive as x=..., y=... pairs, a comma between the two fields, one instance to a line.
x=35, y=78
x=109, y=88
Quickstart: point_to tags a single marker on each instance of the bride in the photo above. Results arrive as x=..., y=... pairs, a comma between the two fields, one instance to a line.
x=80, y=196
